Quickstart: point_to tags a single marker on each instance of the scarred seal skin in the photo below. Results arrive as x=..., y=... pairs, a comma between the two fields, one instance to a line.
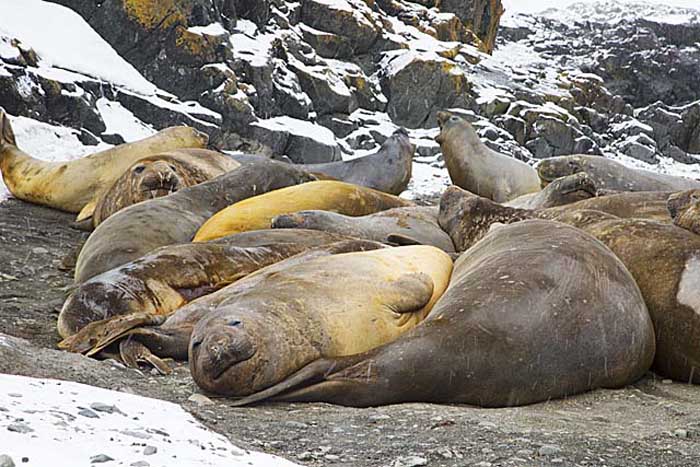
x=73, y=185
x=611, y=175
x=535, y=311
x=160, y=175
x=684, y=208
x=255, y=338
x=257, y=212
x=663, y=259
x=475, y=167
x=387, y=170
x=174, y=219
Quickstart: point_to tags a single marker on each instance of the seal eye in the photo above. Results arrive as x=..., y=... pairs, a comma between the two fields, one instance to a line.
x=454, y=119
x=139, y=169
x=172, y=167
x=234, y=322
x=196, y=344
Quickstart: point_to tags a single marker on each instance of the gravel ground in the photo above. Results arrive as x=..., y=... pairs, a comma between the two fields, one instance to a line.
x=653, y=423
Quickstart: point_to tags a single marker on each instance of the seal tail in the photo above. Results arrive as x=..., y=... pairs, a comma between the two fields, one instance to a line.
x=7, y=136
x=313, y=373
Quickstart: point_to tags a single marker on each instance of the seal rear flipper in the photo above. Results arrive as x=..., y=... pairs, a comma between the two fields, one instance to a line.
x=87, y=212
x=133, y=352
x=7, y=136
x=313, y=373
x=402, y=240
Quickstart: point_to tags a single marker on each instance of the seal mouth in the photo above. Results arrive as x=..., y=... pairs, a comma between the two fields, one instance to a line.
x=218, y=373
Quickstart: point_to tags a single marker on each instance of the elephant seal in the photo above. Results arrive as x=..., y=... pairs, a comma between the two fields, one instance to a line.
x=159, y=336
x=160, y=175
x=611, y=175
x=71, y=186
x=663, y=259
x=475, y=167
x=387, y=170
x=173, y=219
x=257, y=338
x=560, y=192
x=257, y=212
x=535, y=311
x=684, y=208
x=413, y=225
x=160, y=282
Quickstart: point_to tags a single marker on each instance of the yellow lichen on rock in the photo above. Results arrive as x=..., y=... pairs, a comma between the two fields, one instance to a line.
x=161, y=14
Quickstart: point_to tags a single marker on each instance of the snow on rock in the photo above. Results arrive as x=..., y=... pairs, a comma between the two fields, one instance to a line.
x=298, y=127
x=121, y=121
x=60, y=423
x=61, y=38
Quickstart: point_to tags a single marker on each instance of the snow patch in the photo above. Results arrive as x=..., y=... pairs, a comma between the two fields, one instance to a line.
x=121, y=121
x=65, y=424
x=213, y=29
x=298, y=127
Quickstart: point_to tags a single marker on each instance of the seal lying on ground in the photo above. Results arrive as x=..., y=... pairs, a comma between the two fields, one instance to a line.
x=256, y=338
x=160, y=175
x=684, y=208
x=475, y=167
x=388, y=170
x=663, y=259
x=412, y=225
x=170, y=337
x=610, y=175
x=258, y=212
x=173, y=219
x=534, y=311
x=72, y=185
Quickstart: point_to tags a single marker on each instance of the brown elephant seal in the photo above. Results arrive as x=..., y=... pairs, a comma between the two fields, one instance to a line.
x=684, y=208
x=257, y=338
x=161, y=175
x=611, y=175
x=412, y=225
x=159, y=283
x=560, y=192
x=173, y=219
x=160, y=336
x=663, y=259
x=387, y=170
x=72, y=185
x=475, y=167
x=257, y=212
x=535, y=311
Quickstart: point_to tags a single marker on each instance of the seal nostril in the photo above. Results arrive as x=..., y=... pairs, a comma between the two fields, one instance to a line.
x=234, y=322
x=196, y=344
x=172, y=167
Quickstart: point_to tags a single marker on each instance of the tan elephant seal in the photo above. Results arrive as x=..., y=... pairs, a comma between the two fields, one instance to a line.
x=258, y=212
x=535, y=311
x=611, y=175
x=388, y=170
x=412, y=225
x=562, y=191
x=161, y=175
x=663, y=259
x=73, y=185
x=475, y=167
x=174, y=219
x=684, y=208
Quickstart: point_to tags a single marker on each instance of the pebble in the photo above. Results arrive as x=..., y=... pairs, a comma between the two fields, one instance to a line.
x=524, y=452
x=548, y=450
x=88, y=413
x=100, y=458
x=6, y=461
x=305, y=456
x=40, y=250
x=150, y=450
x=140, y=464
x=680, y=433
x=666, y=381
x=483, y=464
x=487, y=425
x=101, y=407
x=293, y=424
x=19, y=428
x=200, y=399
x=410, y=461
x=557, y=460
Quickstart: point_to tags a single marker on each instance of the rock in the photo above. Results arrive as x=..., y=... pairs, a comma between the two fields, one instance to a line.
x=635, y=149
x=140, y=464
x=680, y=433
x=100, y=458
x=548, y=450
x=88, y=413
x=6, y=461
x=481, y=16
x=309, y=144
x=410, y=461
x=417, y=86
x=106, y=408
x=19, y=428
x=326, y=89
x=150, y=450
x=200, y=399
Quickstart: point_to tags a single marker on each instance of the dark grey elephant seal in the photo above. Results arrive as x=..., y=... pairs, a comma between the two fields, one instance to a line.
x=387, y=170
x=560, y=192
x=610, y=175
x=173, y=219
x=412, y=225
x=663, y=259
x=535, y=311
x=475, y=167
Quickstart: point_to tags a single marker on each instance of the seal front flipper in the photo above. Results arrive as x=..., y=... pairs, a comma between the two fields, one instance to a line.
x=87, y=211
x=7, y=136
x=133, y=352
x=402, y=240
x=409, y=293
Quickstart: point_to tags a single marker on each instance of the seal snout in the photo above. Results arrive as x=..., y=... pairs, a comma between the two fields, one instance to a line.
x=221, y=350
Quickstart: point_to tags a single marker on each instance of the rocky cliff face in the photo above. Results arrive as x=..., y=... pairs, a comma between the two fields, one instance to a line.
x=323, y=79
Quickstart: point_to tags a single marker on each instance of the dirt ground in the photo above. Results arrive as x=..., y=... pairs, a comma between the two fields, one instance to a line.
x=652, y=423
